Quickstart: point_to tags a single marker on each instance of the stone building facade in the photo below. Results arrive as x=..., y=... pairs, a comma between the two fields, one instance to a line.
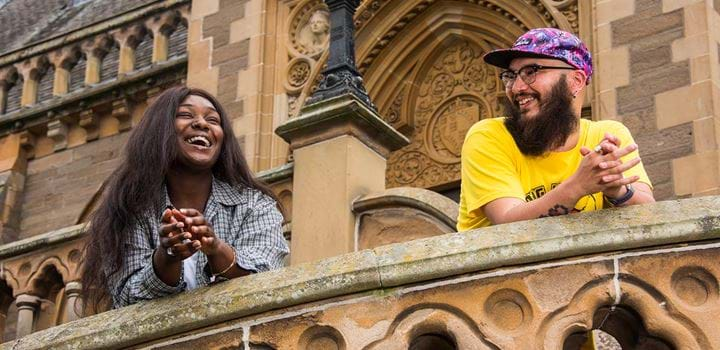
x=76, y=77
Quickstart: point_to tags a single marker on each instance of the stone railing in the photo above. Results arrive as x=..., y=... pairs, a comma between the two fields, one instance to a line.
x=648, y=275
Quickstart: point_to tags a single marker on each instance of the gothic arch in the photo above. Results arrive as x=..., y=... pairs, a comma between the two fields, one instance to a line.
x=661, y=318
x=39, y=272
x=432, y=318
x=396, y=42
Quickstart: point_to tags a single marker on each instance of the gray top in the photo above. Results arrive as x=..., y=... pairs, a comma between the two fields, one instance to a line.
x=245, y=218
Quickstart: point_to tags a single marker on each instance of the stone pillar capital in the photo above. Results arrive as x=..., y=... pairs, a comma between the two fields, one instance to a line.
x=65, y=57
x=27, y=301
x=337, y=116
x=162, y=23
x=8, y=76
x=73, y=288
x=129, y=36
x=184, y=14
x=32, y=68
x=97, y=46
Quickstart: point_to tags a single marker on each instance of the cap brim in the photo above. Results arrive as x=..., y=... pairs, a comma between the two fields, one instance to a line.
x=502, y=58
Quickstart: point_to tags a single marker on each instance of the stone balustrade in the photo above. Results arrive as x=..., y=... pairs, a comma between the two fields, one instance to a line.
x=648, y=275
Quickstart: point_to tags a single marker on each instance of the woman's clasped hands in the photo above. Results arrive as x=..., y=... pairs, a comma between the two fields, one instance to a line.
x=185, y=231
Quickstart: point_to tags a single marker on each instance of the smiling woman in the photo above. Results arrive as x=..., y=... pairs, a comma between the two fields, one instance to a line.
x=183, y=210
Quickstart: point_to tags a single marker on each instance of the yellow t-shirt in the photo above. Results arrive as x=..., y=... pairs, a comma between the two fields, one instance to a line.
x=493, y=167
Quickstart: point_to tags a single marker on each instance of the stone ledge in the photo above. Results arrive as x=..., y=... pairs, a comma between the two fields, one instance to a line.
x=41, y=241
x=276, y=174
x=443, y=256
x=338, y=116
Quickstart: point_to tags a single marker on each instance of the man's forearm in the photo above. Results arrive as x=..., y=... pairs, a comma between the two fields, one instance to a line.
x=559, y=201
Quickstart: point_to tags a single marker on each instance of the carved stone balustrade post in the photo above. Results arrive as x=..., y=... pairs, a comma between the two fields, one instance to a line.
x=31, y=71
x=95, y=49
x=340, y=147
x=8, y=76
x=128, y=38
x=63, y=60
x=161, y=26
x=27, y=306
x=73, y=301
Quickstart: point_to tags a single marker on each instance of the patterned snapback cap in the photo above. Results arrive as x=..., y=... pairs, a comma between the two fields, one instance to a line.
x=545, y=43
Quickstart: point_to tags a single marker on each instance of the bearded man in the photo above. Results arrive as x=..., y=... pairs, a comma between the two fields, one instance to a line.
x=543, y=159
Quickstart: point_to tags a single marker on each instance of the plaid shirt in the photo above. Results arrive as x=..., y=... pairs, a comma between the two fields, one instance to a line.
x=246, y=219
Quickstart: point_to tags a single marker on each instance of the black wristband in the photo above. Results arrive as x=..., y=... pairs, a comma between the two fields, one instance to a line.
x=624, y=198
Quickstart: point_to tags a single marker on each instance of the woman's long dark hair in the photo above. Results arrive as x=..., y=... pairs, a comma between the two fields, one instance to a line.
x=136, y=186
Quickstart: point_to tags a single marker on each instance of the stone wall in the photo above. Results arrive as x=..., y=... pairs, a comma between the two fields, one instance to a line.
x=59, y=187
x=232, y=55
x=657, y=73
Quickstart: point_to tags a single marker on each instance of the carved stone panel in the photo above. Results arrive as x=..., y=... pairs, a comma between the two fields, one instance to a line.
x=308, y=33
x=450, y=91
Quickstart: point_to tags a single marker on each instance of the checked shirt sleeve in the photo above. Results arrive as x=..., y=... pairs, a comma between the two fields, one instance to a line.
x=136, y=280
x=260, y=245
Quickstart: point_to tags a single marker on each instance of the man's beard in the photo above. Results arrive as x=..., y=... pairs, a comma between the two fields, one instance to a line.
x=550, y=128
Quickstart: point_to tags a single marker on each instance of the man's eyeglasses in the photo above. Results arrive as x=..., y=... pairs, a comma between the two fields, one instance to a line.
x=527, y=74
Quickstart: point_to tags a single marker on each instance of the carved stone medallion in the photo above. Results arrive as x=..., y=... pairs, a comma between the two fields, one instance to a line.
x=451, y=90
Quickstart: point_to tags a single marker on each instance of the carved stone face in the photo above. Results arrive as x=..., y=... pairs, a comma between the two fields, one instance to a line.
x=319, y=23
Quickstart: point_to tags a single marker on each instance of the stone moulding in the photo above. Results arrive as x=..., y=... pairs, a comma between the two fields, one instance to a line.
x=42, y=241
x=337, y=116
x=437, y=205
x=277, y=174
x=663, y=223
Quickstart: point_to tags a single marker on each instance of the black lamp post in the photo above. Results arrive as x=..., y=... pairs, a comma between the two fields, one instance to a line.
x=341, y=76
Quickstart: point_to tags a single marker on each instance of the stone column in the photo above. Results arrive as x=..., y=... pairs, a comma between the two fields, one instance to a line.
x=8, y=75
x=27, y=305
x=63, y=59
x=128, y=38
x=31, y=71
x=13, y=165
x=161, y=27
x=95, y=49
x=340, y=147
x=73, y=301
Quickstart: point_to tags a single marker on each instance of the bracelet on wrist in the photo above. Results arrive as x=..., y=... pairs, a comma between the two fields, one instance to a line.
x=630, y=191
x=227, y=268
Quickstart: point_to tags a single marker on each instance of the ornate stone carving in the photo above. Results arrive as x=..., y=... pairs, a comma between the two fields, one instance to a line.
x=451, y=91
x=569, y=9
x=309, y=29
x=694, y=285
x=298, y=74
x=508, y=309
